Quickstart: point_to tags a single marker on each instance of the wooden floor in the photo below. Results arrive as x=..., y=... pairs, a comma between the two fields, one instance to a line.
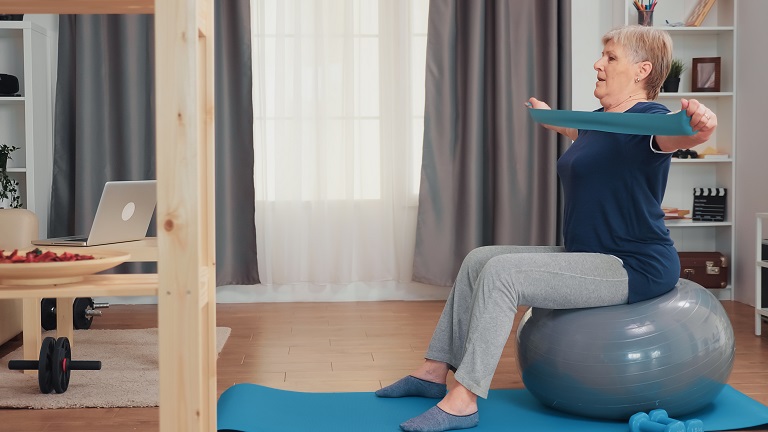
x=332, y=347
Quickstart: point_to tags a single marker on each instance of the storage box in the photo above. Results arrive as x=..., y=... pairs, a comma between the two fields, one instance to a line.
x=708, y=269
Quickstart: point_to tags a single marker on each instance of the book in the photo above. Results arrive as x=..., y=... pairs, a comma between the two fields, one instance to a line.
x=699, y=12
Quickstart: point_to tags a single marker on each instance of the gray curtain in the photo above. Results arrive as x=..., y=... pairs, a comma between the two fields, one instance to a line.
x=104, y=126
x=235, y=194
x=488, y=172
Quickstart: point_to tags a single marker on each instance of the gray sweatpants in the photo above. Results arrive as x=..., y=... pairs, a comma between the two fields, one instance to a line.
x=494, y=280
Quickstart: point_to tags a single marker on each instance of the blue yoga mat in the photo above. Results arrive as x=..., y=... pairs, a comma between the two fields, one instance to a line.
x=627, y=123
x=251, y=407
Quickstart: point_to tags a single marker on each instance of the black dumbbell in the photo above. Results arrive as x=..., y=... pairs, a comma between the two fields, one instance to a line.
x=83, y=311
x=685, y=154
x=54, y=365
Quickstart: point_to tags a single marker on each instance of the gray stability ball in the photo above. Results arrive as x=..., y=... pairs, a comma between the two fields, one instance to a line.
x=673, y=352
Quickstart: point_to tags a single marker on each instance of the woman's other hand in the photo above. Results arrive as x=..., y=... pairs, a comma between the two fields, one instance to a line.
x=703, y=120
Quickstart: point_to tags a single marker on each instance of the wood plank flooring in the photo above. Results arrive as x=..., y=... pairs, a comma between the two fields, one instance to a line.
x=358, y=346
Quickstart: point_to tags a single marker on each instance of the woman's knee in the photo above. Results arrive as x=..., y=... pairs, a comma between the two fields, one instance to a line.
x=501, y=269
x=476, y=259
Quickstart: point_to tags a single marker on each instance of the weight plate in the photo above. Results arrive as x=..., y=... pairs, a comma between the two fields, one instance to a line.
x=48, y=313
x=62, y=357
x=45, y=365
x=80, y=320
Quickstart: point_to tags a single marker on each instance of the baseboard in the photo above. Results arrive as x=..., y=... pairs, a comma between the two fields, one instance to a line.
x=304, y=292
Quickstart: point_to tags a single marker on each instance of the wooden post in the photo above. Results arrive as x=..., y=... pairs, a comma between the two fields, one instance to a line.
x=64, y=325
x=184, y=65
x=31, y=320
x=186, y=230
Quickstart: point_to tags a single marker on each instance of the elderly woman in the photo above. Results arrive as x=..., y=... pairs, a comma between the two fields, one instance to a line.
x=617, y=249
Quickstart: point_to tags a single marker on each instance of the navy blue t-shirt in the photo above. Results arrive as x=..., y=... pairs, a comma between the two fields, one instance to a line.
x=614, y=184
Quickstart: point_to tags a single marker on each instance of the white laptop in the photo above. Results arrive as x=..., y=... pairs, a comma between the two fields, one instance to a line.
x=124, y=213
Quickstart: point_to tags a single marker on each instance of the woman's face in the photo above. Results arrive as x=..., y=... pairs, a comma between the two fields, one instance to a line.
x=615, y=75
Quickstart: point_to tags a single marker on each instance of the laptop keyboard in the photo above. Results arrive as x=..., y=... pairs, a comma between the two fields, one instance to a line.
x=76, y=238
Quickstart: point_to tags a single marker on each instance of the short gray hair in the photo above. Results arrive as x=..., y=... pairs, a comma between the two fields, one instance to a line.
x=650, y=44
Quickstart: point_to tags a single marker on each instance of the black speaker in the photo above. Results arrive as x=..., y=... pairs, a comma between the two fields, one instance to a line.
x=11, y=17
x=9, y=85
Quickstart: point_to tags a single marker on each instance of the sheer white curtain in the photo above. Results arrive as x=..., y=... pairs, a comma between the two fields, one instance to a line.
x=338, y=122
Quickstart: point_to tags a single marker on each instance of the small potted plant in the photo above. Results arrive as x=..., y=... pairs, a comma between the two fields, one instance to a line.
x=9, y=188
x=672, y=82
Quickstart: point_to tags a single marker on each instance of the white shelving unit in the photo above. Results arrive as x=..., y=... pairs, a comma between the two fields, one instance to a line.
x=716, y=37
x=26, y=121
x=761, y=312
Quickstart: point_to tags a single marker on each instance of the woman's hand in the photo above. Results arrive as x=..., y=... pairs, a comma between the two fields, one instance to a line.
x=535, y=103
x=703, y=122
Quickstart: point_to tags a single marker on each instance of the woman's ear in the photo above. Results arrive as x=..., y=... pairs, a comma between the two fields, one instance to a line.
x=644, y=69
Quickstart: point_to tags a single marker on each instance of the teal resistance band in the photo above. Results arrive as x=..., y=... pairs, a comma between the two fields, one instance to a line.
x=627, y=123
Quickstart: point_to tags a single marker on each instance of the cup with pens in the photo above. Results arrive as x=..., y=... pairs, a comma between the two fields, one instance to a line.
x=645, y=11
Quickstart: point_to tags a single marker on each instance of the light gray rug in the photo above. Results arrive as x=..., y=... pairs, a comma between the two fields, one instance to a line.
x=129, y=374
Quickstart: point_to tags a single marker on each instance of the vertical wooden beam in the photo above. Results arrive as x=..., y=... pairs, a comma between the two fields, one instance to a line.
x=32, y=335
x=207, y=209
x=186, y=230
x=64, y=325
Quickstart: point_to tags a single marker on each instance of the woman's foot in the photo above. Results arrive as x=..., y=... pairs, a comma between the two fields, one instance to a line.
x=412, y=386
x=437, y=420
x=427, y=381
x=458, y=410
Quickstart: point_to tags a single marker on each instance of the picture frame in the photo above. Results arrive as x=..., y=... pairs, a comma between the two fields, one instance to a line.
x=699, y=12
x=705, y=74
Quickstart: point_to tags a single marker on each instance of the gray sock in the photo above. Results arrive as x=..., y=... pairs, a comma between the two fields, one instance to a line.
x=412, y=386
x=437, y=420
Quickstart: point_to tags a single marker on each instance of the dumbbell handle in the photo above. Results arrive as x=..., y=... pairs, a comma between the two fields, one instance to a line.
x=84, y=365
x=72, y=365
x=23, y=364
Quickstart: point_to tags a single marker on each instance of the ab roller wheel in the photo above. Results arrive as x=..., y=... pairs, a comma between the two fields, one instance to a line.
x=54, y=365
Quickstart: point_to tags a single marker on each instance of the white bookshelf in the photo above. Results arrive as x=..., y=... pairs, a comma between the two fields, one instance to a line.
x=26, y=121
x=716, y=37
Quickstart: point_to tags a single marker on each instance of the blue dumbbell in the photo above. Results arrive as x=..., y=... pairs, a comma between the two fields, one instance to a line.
x=641, y=422
x=660, y=416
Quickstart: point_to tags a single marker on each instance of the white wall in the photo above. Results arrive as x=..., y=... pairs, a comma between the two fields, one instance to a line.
x=594, y=17
x=752, y=161
x=589, y=22
x=50, y=23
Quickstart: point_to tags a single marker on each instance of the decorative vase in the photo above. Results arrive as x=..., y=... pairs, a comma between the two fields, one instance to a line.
x=671, y=85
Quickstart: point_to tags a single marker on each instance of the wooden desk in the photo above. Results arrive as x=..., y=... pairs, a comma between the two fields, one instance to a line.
x=91, y=286
x=140, y=250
